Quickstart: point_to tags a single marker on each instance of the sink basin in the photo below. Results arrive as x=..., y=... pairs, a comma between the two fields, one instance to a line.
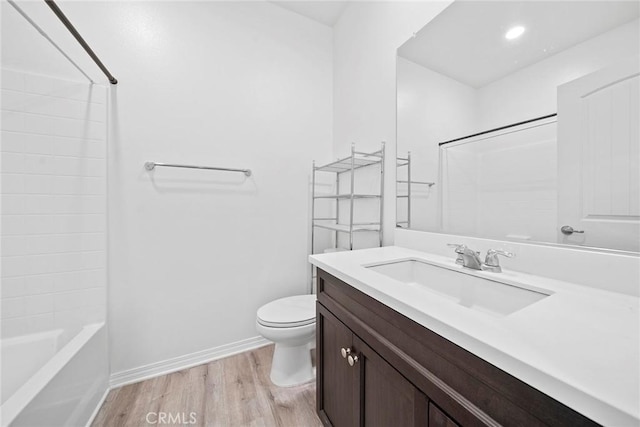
x=491, y=296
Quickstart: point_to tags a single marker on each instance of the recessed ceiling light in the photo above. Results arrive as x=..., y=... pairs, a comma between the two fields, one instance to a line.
x=514, y=32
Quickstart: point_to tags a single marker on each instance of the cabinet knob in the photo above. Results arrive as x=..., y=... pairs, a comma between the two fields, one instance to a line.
x=345, y=352
x=352, y=360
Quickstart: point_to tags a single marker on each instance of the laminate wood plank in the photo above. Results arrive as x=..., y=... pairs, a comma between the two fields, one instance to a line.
x=241, y=395
x=235, y=391
x=214, y=404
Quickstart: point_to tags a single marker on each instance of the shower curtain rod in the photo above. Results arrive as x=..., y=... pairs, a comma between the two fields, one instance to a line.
x=46, y=36
x=78, y=37
x=440, y=144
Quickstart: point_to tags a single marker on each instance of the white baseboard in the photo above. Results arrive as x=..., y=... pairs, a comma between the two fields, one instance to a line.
x=156, y=369
x=98, y=406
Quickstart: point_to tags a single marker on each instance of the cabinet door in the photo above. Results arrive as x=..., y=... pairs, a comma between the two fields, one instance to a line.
x=437, y=418
x=386, y=397
x=336, y=386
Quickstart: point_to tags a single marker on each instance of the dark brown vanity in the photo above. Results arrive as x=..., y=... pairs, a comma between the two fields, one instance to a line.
x=377, y=367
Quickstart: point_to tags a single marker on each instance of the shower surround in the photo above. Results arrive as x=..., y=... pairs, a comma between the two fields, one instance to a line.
x=54, y=205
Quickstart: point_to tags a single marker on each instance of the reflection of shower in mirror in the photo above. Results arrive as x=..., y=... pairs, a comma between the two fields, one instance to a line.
x=501, y=184
x=516, y=183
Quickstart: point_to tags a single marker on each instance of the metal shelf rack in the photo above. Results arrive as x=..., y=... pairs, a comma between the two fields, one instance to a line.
x=401, y=162
x=344, y=167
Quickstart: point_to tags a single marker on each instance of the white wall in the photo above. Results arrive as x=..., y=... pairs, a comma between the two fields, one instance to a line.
x=459, y=187
x=193, y=254
x=431, y=108
x=365, y=40
x=531, y=92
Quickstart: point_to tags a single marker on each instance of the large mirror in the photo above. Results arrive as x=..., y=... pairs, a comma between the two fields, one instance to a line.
x=519, y=121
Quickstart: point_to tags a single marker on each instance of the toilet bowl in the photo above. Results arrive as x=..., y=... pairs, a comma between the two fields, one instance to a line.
x=291, y=324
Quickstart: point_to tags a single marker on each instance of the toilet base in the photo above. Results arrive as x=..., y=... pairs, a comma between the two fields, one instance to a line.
x=291, y=324
x=291, y=365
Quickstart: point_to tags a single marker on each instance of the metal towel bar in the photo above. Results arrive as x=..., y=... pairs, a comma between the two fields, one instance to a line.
x=151, y=165
x=417, y=182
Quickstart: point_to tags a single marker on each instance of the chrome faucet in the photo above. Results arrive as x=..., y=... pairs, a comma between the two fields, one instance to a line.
x=458, y=250
x=471, y=259
x=491, y=261
x=467, y=257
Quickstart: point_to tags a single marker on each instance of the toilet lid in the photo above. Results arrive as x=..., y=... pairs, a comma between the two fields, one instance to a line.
x=288, y=312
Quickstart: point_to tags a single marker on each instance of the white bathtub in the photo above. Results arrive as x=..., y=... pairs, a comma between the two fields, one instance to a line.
x=23, y=356
x=47, y=385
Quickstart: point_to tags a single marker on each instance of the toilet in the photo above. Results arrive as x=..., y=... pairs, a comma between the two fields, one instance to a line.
x=291, y=324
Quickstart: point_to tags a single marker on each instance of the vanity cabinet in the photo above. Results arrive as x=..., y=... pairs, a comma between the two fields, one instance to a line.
x=376, y=367
x=361, y=388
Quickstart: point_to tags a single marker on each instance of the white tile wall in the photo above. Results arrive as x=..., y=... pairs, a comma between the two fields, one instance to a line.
x=53, y=194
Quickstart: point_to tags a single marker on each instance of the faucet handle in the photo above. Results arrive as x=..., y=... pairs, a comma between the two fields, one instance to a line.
x=491, y=260
x=457, y=246
x=459, y=249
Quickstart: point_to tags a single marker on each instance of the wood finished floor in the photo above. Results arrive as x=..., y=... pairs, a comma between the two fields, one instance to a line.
x=235, y=391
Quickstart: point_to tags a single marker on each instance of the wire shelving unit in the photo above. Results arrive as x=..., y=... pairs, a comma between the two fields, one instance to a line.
x=343, y=168
x=407, y=184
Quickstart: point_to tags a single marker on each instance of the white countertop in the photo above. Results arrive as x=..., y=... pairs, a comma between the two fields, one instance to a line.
x=580, y=345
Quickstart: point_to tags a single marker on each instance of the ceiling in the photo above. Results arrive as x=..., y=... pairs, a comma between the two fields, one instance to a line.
x=466, y=41
x=324, y=12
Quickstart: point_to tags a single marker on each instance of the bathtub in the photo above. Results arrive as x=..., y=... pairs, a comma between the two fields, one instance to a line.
x=23, y=356
x=46, y=384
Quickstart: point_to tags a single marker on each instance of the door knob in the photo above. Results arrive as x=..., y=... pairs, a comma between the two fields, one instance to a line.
x=568, y=230
x=352, y=360
x=345, y=352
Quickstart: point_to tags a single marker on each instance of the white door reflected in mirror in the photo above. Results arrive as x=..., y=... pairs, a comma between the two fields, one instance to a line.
x=517, y=182
x=598, y=134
